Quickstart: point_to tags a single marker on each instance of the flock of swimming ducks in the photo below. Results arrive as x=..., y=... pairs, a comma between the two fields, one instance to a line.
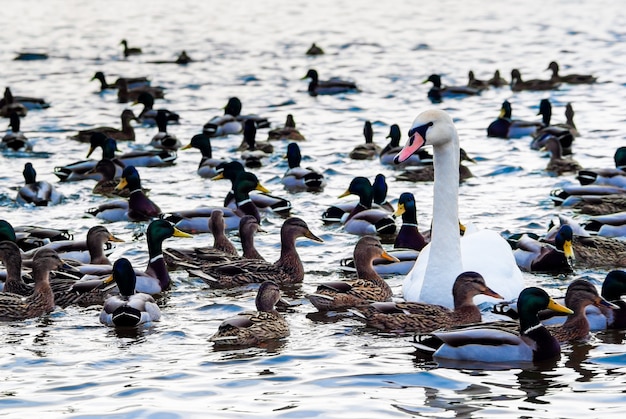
x=45, y=268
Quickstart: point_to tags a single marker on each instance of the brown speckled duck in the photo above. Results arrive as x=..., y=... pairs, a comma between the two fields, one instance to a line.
x=559, y=164
x=369, y=286
x=288, y=132
x=288, y=269
x=424, y=318
x=253, y=327
x=517, y=84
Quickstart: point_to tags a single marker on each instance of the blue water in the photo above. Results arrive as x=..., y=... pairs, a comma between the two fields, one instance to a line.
x=68, y=365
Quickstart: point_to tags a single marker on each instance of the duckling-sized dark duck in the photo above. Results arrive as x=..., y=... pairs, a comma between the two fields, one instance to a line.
x=39, y=193
x=128, y=51
x=253, y=327
x=493, y=343
x=570, y=78
x=148, y=114
x=475, y=83
x=128, y=308
x=15, y=139
x=497, y=80
x=131, y=82
x=438, y=91
x=366, y=151
x=298, y=178
x=207, y=168
x=559, y=164
x=402, y=317
x=533, y=255
x=288, y=132
x=332, y=86
x=126, y=133
x=314, y=50
x=369, y=286
x=518, y=85
x=288, y=269
x=41, y=301
x=504, y=126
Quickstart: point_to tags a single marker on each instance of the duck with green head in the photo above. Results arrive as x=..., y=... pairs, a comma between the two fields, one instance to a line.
x=38, y=193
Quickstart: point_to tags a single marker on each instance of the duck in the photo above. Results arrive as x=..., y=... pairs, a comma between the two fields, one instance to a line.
x=497, y=80
x=368, y=286
x=475, y=83
x=379, y=193
x=403, y=317
x=609, y=225
x=339, y=212
x=427, y=173
x=162, y=139
x=128, y=308
x=518, y=85
x=128, y=51
x=107, y=184
x=388, y=153
x=41, y=301
x=363, y=219
x=590, y=199
x=137, y=158
x=39, y=193
x=155, y=278
x=438, y=92
x=607, y=176
x=332, y=86
x=262, y=200
x=447, y=254
x=613, y=288
x=533, y=255
x=369, y=150
x=288, y=132
x=15, y=139
x=288, y=269
x=298, y=178
x=254, y=327
x=31, y=237
x=9, y=103
x=314, y=50
x=127, y=94
x=252, y=150
x=232, y=121
x=504, y=126
x=493, y=344
x=148, y=114
x=126, y=133
x=565, y=133
x=559, y=164
x=207, y=168
x=131, y=82
x=570, y=78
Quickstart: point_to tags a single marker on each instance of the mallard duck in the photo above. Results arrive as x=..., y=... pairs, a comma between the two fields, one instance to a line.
x=369, y=150
x=41, y=301
x=253, y=150
x=332, y=86
x=387, y=155
x=289, y=132
x=401, y=317
x=263, y=201
x=9, y=103
x=379, y=193
x=107, y=184
x=609, y=225
x=570, y=78
x=288, y=269
x=15, y=139
x=475, y=83
x=207, y=168
x=31, y=237
x=338, y=213
x=131, y=82
x=364, y=219
x=137, y=158
x=163, y=139
x=448, y=254
x=559, y=164
x=533, y=255
x=128, y=51
x=254, y=327
x=232, y=121
x=369, y=286
x=314, y=50
x=613, y=288
x=126, y=133
x=497, y=80
x=427, y=173
x=438, y=91
x=148, y=114
x=492, y=344
x=517, y=84
x=506, y=127
x=565, y=133
x=297, y=178
x=127, y=94
x=39, y=193
x=128, y=308
x=607, y=176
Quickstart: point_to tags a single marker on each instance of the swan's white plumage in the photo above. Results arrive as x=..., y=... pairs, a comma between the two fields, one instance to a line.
x=483, y=251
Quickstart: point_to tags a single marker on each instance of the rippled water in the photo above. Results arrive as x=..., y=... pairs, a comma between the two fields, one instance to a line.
x=67, y=364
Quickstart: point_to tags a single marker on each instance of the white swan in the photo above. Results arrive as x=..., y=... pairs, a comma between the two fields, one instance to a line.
x=483, y=251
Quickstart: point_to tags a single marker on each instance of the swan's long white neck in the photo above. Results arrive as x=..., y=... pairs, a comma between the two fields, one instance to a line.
x=445, y=252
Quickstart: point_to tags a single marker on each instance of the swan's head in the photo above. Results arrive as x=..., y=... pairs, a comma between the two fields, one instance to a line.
x=432, y=127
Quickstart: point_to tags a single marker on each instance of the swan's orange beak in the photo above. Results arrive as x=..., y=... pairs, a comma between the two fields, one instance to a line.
x=416, y=141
